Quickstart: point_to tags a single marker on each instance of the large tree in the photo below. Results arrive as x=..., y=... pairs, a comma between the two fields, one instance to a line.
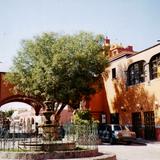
x=59, y=68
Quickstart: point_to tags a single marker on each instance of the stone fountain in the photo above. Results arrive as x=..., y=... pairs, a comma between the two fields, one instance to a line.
x=51, y=147
x=50, y=137
x=51, y=141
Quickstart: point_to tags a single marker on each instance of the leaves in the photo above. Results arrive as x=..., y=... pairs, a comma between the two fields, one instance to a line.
x=58, y=67
x=82, y=117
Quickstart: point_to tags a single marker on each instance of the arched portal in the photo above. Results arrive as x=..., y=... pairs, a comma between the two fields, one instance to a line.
x=37, y=105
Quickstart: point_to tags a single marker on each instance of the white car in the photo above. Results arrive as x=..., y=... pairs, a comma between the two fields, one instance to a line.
x=116, y=133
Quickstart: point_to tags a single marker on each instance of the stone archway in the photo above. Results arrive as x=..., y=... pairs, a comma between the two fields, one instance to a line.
x=37, y=105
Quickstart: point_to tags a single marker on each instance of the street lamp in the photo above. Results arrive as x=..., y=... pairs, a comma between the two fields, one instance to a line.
x=123, y=109
x=157, y=106
x=139, y=107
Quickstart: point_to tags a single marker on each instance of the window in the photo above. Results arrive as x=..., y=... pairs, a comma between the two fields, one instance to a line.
x=155, y=67
x=117, y=128
x=135, y=73
x=113, y=73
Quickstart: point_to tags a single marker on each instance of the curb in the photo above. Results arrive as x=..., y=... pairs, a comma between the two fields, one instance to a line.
x=31, y=156
x=107, y=156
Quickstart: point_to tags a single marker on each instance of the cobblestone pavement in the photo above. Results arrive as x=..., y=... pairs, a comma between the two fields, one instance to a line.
x=140, y=150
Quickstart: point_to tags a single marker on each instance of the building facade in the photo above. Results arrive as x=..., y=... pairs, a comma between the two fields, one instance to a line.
x=133, y=89
x=131, y=94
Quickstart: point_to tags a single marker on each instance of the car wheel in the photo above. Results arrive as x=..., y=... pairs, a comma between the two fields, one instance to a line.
x=129, y=142
x=112, y=141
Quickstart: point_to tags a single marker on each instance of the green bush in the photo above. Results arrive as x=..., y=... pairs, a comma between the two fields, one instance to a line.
x=83, y=117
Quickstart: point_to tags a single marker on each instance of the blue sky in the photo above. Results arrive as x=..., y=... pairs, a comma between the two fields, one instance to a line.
x=130, y=22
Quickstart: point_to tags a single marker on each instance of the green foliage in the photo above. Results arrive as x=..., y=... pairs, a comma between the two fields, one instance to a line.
x=84, y=114
x=58, y=67
x=83, y=117
x=8, y=113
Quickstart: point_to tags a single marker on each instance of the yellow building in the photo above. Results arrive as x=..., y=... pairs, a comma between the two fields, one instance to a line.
x=133, y=89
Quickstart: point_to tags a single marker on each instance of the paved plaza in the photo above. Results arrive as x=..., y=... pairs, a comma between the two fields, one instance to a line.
x=145, y=150
x=149, y=150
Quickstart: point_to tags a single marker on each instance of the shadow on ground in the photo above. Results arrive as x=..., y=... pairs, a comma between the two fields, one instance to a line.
x=137, y=141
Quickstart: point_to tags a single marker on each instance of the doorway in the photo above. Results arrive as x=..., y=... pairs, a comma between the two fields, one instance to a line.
x=149, y=123
x=137, y=124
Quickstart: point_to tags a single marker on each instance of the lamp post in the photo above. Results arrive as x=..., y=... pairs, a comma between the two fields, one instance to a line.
x=157, y=106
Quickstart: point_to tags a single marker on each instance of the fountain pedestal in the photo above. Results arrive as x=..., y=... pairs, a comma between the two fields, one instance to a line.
x=50, y=131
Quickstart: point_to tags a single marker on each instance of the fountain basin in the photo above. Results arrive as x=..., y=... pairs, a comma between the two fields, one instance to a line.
x=82, y=154
x=48, y=146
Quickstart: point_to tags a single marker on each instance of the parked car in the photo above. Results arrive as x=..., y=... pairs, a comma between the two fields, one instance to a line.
x=114, y=133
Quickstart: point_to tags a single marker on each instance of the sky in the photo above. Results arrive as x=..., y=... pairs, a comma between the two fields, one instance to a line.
x=130, y=22
x=15, y=106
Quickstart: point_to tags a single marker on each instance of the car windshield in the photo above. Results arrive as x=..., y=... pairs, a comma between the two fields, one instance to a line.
x=117, y=128
x=125, y=128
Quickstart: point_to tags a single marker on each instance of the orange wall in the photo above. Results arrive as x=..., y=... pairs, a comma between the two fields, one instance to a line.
x=98, y=104
x=4, y=88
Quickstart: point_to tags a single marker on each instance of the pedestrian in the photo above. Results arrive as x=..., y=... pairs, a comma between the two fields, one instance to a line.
x=36, y=129
x=62, y=132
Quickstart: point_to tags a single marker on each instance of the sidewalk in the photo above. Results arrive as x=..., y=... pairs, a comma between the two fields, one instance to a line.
x=146, y=142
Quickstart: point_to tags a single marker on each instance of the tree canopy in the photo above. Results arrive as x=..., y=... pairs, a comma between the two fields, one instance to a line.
x=61, y=68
